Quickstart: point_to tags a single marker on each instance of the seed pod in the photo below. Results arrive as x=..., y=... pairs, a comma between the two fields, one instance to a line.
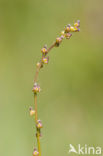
x=39, y=124
x=35, y=152
x=36, y=88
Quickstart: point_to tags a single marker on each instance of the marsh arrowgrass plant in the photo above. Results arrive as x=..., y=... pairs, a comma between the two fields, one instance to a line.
x=66, y=33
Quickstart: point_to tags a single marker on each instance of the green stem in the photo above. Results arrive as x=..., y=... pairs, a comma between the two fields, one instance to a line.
x=36, y=119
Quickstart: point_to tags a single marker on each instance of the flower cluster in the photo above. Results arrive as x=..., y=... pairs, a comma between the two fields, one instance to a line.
x=68, y=29
x=66, y=32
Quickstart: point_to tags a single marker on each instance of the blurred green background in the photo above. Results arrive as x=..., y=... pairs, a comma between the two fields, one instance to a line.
x=70, y=104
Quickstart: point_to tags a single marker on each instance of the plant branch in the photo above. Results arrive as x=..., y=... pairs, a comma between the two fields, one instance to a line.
x=36, y=88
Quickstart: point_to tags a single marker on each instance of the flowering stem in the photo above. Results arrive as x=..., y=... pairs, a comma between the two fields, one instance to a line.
x=35, y=102
x=36, y=88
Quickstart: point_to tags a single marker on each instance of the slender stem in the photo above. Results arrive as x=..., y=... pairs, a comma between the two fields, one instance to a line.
x=52, y=46
x=36, y=119
x=35, y=99
x=67, y=35
x=35, y=103
x=37, y=72
x=38, y=141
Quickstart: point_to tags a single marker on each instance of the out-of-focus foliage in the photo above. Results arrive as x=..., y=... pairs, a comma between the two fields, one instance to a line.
x=71, y=102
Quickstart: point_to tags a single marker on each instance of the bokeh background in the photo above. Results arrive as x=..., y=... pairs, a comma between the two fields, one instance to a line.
x=70, y=104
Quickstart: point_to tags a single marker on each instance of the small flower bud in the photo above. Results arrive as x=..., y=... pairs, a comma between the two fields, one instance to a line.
x=38, y=64
x=45, y=60
x=58, y=41
x=36, y=88
x=44, y=50
x=63, y=36
x=35, y=153
x=74, y=29
x=68, y=35
x=67, y=29
x=62, y=33
x=39, y=124
x=32, y=112
x=77, y=24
